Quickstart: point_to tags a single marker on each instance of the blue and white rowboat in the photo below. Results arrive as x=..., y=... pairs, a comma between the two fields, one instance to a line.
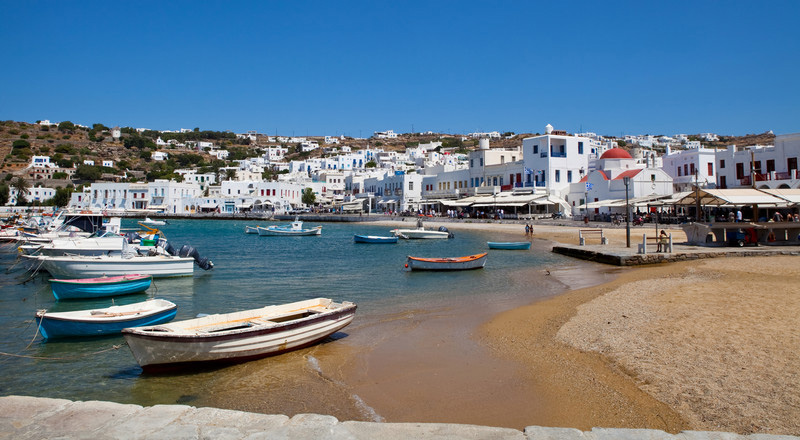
x=512, y=245
x=374, y=239
x=106, y=321
x=83, y=288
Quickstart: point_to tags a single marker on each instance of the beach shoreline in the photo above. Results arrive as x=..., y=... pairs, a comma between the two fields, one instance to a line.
x=586, y=372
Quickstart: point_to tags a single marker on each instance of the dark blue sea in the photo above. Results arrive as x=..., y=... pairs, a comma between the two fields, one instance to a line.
x=252, y=271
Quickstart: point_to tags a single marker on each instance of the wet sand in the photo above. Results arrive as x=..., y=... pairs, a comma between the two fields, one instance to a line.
x=696, y=345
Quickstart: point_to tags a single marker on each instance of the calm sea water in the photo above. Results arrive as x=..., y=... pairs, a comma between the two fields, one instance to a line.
x=250, y=271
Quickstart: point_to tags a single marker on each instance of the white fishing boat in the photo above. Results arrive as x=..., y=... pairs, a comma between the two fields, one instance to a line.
x=296, y=228
x=251, y=229
x=238, y=336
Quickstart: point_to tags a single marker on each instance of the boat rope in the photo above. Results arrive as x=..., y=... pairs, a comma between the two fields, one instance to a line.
x=61, y=358
x=33, y=274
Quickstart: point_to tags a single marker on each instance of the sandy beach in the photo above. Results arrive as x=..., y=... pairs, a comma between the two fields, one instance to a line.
x=703, y=345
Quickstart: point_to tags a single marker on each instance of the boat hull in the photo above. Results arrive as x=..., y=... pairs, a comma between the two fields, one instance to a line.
x=76, y=324
x=91, y=267
x=156, y=350
x=99, y=287
x=469, y=262
x=514, y=245
x=374, y=239
x=251, y=229
x=420, y=234
x=271, y=232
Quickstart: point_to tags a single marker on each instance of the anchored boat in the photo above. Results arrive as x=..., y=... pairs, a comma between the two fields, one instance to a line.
x=106, y=321
x=238, y=336
x=468, y=262
x=83, y=288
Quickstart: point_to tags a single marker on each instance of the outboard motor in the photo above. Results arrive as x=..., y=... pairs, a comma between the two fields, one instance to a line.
x=131, y=236
x=170, y=249
x=443, y=229
x=189, y=251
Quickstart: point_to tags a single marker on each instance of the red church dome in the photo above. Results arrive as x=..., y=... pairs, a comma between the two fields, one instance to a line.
x=616, y=153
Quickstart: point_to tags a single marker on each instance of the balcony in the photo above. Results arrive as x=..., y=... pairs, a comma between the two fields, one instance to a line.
x=554, y=154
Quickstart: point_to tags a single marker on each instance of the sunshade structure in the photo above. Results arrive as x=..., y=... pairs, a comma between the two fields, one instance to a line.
x=651, y=200
x=502, y=200
x=734, y=197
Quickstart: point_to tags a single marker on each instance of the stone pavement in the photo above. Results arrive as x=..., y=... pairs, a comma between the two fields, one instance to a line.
x=43, y=418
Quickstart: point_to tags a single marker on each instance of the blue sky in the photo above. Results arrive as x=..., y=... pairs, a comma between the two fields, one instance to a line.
x=354, y=67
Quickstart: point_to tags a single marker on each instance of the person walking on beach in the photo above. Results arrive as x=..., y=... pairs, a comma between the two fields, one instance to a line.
x=527, y=230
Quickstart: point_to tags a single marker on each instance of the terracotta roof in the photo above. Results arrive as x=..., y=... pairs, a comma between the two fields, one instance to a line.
x=629, y=173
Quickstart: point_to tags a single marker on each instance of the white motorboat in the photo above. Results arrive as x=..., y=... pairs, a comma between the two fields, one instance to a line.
x=251, y=229
x=420, y=233
x=80, y=266
x=151, y=222
x=296, y=228
x=238, y=336
x=100, y=243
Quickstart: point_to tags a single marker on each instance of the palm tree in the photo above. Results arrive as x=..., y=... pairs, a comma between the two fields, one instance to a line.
x=23, y=189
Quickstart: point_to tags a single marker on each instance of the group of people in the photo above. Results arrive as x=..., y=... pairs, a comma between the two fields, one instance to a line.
x=528, y=230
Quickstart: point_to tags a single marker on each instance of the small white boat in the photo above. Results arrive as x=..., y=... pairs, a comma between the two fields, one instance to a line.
x=151, y=222
x=420, y=233
x=238, y=336
x=468, y=262
x=296, y=228
x=251, y=229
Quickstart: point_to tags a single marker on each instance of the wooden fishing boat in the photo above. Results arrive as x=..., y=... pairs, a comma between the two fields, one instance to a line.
x=296, y=228
x=468, y=262
x=374, y=239
x=509, y=245
x=105, y=321
x=83, y=288
x=237, y=336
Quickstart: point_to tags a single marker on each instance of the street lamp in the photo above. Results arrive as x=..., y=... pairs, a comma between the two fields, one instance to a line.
x=627, y=181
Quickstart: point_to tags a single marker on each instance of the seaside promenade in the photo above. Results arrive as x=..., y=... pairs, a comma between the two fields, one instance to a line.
x=43, y=418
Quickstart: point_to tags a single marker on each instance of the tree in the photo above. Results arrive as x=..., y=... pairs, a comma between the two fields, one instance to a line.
x=88, y=172
x=309, y=198
x=230, y=174
x=371, y=164
x=23, y=189
x=4, y=194
x=66, y=126
x=62, y=197
x=20, y=143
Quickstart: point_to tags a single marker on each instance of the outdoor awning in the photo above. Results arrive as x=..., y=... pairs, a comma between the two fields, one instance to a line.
x=244, y=206
x=157, y=206
x=208, y=206
x=452, y=202
x=792, y=196
x=731, y=197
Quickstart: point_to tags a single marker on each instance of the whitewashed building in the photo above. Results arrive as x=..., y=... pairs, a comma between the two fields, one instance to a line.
x=774, y=166
x=690, y=166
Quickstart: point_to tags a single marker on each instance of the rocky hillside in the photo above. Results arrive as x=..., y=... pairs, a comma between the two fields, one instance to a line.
x=68, y=143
